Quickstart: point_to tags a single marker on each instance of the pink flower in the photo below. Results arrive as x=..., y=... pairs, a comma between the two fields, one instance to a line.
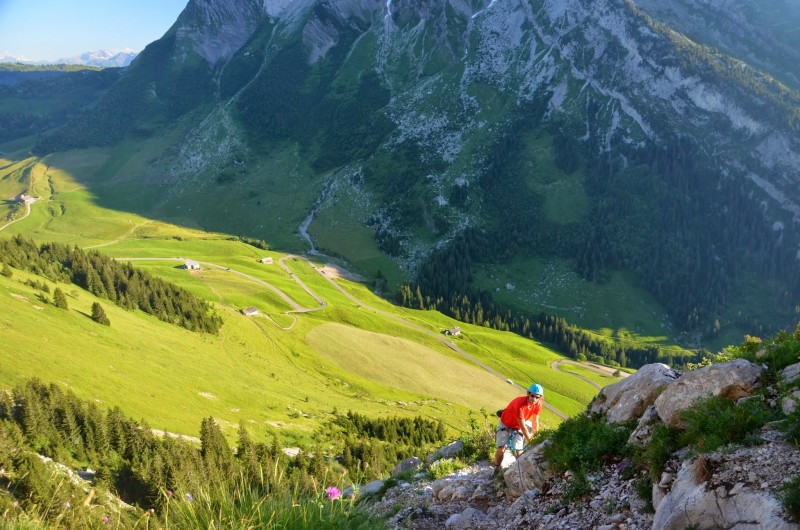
x=169, y=493
x=333, y=493
x=105, y=520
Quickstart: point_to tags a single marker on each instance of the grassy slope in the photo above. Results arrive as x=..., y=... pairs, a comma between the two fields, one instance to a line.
x=343, y=356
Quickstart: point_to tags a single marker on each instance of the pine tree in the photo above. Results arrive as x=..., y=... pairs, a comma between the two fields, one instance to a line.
x=60, y=299
x=98, y=315
x=7, y=271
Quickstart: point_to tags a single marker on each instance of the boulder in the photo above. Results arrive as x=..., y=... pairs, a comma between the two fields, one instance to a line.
x=789, y=403
x=466, y=520
x=642, y=433
x=529, y=472
x=627, y=400
x=448, y=451
x=732, y=381
x=791, y=373
x=460, y=488
x=691, y=504
x=373, y=487
x=409, y=464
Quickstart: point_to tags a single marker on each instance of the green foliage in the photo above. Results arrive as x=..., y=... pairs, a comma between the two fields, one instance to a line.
x=181, y=483
x=663, y=442
x=36, y=99
x=479, y=441
x=60, y=299
x=445, y=466
x=373, y=446
x=586, y=443
x=242, y=507
x=124, y=285
x=715, y=422
x=577, y=487
x=789, y=495
x=778, y=352
x=99, y=314
x=7, y=272
x=443, y=285
x=792, y=427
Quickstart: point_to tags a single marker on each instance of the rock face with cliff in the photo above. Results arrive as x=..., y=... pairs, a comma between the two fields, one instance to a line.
x=467, y=126
x=735, y=487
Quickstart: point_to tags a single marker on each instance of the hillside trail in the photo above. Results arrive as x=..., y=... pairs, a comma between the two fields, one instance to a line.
x=603, y=370
x=27, y=205
x=27, y=213
x=297, y=308
x=421, y=329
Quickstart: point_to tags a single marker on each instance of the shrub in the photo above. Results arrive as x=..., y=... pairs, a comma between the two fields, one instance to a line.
x=654, y=455
x=479, y=441
x=446, y=466
x=778, y=353
x=789, y=495
x=715, y=422
x=792, y=427
x=99, y=315
x=585, y=443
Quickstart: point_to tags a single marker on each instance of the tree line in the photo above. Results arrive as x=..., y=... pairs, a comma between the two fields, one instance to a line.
x=144, y=469
x=120, y=283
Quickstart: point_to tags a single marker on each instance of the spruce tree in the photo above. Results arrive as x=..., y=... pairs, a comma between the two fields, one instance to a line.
x=98, y=315
x=60, y=299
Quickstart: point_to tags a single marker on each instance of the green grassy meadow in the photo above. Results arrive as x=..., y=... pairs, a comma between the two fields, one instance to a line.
x=281, y=372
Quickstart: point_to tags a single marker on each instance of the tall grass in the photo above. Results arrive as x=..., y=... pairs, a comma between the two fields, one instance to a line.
x=243, y=507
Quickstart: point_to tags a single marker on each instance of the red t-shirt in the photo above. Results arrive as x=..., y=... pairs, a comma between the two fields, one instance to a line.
x=520, y=409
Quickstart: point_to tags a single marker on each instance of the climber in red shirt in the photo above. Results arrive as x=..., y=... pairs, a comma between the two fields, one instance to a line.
x=514, y=424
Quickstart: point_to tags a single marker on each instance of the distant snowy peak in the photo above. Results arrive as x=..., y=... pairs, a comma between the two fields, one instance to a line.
x=101, y=58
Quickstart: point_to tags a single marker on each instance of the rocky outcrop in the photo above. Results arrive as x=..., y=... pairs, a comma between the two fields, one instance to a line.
x=735, y=488
x=409, y=464
x=527, y=473
x=627, y=400
x=732, y=381
x=448, y=451
x=730, y=490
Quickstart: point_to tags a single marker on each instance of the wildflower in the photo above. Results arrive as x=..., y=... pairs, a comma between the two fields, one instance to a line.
x=189, y=497
x=105, y=520
x=169, y=493
x=69, y=506
x=333, y=493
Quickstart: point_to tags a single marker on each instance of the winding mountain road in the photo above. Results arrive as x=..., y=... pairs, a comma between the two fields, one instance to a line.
x=297, y=308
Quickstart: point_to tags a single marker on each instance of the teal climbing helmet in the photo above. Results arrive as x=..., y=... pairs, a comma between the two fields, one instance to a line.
x=536, y=389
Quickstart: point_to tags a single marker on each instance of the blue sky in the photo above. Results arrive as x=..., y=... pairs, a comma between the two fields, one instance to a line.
x=50, y=29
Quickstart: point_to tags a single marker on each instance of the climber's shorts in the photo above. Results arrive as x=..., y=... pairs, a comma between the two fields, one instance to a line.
x=506, y=436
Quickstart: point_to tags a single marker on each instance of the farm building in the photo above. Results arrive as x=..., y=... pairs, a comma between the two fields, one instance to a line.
x=266, y=261
x=250, y=311
x=26, y=199
x=455, y=332
x=191, y=265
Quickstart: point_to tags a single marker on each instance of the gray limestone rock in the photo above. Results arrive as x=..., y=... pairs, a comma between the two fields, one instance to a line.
x=732, y=381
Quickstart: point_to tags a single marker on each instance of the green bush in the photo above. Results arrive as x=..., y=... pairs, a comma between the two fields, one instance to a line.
x=654, y=455
x=715, y=422
x=789, y=495
x=792, y=427
x=446, y=466
x=585, y=443
x=479, y=442
x=777, y=353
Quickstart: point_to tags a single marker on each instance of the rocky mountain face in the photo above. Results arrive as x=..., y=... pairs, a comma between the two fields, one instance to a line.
x=737, y=487
x=595, y=132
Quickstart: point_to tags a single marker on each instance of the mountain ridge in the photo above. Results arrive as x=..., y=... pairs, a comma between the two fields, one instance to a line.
x=435, y=99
